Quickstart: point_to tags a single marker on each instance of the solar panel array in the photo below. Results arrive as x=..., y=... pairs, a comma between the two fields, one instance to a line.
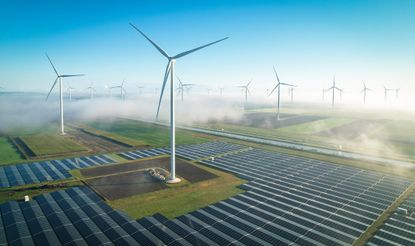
x=399, y=229
x=190, y=151
x=288, y=200
x=37, y=172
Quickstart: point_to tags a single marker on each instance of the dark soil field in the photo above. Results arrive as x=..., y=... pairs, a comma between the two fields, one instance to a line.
x=96, y=144
x=353, y=130
x=121, y=180
x=269, y=120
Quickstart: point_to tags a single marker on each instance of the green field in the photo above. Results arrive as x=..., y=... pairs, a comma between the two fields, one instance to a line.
x=48, y=144
x=114, y=137
x=182, y=199
x=150, y=134
x=7, y=152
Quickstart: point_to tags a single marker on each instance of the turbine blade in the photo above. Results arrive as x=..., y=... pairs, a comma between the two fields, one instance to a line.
x=288, y=84
x=71, y=75
x=166, y=75
x=274, y=89
x=50, y=91
x=151, y=41
x=57, y=74
x=249, y=83
x=198, y=48
x=275, y=71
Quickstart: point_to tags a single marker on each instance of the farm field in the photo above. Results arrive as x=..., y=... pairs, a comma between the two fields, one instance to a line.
x=48, y=144
x=378, y=136
x=147, y=133
x=8, y=152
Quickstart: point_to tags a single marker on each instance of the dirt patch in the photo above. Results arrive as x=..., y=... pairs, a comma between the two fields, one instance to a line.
x=129, y=182
x=125, y=185
x=269, y=120
x=96, y=144
x=353, y=129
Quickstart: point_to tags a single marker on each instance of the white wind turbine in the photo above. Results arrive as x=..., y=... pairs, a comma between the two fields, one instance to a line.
x=171, y=60
x=183, y=87
x=279, y=84
x=364, y=91
x=91, y=89
x=60, y=78
x=323, y=92
x=291, y=93
x=386, y=92
x=70, y=89
x=139, y=89
x=334, y=87
x=221, y=89
x=246, y=89
x=122, y=90
x=397, y=92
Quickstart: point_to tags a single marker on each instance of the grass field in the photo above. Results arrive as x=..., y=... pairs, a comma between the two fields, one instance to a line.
x=48, y=144
x=7, y=152
x=178, y=200
x=149, y=134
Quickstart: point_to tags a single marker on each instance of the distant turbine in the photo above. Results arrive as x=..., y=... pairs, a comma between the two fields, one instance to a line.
x=69, y=89
x=397, y=92
x=60, y=78
x=183, y=87
x=279, y=84
x=122, y=90
x=208, y=91
x=221, y=90
x=245, y=87
x=291, y=93
x=323, y=92
x=139, y=89
x=334, y=87
x=364, y=91
x=170, y=69
x=341, y=93
x=386, y=92
x=91, y=89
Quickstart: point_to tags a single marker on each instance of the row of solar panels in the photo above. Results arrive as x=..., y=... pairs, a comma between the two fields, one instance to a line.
x=399, y=229
x=37, y=172
x=191, y=151
x=313, y=201
x=42, y=171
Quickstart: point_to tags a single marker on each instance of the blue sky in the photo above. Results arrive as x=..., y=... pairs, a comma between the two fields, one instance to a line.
x=308, y=42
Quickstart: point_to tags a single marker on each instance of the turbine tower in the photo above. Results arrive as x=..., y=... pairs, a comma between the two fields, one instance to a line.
x=171, y=60
x=139, y=89
x=122, y=90
x=333, y=88
x=183, y=87
x=323, y=92
x=364, y=91
x=60, y=78
x=291, y=93
x=279, y=84
x=91, y=89
x=69, y=89
x=245, y=87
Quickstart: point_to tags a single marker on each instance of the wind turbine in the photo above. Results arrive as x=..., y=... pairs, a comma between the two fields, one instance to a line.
x=397, y=92
x=323, y=92
x=60, y=78
x=183, y=86
x=91, y=89
x=279, y=84
x=221, y=90
x=171, y=60
x=69, y=89
x=139, y=89
x=364, y=91
x=245, y=87
x=122, y=90
x=386, y=92
x=334, y=87
x=291, y=92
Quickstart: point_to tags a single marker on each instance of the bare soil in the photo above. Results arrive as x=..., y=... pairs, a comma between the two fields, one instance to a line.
x=126, y=182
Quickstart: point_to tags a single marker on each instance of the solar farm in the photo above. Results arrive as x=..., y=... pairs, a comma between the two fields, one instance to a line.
x=288, y=200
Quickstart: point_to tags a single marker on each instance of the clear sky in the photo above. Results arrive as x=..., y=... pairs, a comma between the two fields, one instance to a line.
x=308, y=42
